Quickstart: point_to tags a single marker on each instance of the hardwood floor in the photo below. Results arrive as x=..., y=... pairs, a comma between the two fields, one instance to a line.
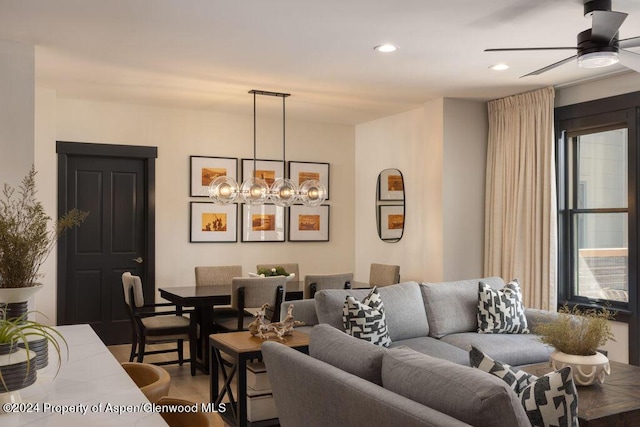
x=183, y=385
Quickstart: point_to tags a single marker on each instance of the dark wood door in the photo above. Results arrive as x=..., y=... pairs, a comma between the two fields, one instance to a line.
x=112, y=240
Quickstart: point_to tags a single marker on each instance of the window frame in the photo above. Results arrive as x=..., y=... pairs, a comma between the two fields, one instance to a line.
x=588, y=117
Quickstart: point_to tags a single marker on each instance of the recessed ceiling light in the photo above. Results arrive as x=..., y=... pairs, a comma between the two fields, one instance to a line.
x=499, y=67
x=386, y=48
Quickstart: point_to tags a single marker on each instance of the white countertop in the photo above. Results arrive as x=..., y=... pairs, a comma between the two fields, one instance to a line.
x=91, y=377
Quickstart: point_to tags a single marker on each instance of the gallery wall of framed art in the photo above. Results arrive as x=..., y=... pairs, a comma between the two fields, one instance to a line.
x=213, y=223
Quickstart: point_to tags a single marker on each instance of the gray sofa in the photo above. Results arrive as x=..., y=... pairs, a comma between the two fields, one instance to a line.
x=421, y=380
x=436, y=319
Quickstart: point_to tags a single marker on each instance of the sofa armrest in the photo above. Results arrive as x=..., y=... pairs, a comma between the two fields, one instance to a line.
x=537, y=317
x=303, y=309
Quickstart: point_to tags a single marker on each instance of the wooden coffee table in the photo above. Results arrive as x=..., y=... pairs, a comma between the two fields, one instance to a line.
x=614, y=403
x=241, y=346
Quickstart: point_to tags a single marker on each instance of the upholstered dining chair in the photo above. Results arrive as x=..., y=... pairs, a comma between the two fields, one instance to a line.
x=254, y=292
x=317, y=282
x=384, y=275
x=152, y=380
x=154, y=327
x=218, y=275
x=289, y=268
x=182, y=418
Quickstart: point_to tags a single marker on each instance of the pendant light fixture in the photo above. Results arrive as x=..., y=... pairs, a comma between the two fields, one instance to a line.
x=255, y=191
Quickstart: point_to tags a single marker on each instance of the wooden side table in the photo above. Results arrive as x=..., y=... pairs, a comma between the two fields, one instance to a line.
x=241, y=346
x=616, y=402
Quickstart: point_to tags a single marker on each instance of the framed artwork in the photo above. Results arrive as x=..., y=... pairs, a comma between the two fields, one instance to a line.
x=300, y=172
x=213, y=223
x=206, y=169
x=391, y=222
x=309, y=224
x=269, y=170
x=263, y=223
x=391, y=185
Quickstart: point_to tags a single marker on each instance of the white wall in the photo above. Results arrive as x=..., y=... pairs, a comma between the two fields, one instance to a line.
x=465, y=156
x=440, y=150
x=17, y=73
x=180, y=133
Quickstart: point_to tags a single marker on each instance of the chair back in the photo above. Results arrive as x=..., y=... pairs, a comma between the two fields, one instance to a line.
x=152, y=380
x=384, y=275
x=317, y=282
x=184, y=418
x=290, y=268
x=257, y=291
x=132, y=288
x=217, y=275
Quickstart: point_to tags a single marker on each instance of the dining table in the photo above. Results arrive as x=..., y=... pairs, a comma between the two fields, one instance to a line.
x=204, y=298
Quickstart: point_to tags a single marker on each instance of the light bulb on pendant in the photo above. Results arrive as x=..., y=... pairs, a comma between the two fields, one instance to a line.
x=283, y=192
x=223, y=190
x=312, y=193
x=254, y=191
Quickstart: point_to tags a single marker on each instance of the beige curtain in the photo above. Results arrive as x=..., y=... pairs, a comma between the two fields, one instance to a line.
x=520, y=201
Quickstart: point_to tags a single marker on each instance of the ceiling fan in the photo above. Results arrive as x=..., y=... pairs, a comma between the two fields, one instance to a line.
x=598, y=46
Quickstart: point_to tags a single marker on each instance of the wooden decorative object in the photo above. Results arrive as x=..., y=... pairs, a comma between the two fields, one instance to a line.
x=279, y=329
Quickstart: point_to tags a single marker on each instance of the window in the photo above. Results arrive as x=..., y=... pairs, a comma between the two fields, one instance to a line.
x=598, y=199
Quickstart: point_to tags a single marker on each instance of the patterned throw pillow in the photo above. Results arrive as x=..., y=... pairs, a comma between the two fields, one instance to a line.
x=550, y=400
x=501, y=311
x=366, y=319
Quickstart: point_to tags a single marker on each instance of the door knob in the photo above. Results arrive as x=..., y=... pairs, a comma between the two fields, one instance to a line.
x=138, y=260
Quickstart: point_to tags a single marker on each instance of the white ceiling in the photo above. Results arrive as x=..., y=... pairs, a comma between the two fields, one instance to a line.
x=206, y=54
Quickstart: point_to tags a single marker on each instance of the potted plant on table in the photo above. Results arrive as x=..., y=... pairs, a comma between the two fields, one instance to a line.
x=275, y=271
x=26, y=240
x=577, y=334
x=18, y=362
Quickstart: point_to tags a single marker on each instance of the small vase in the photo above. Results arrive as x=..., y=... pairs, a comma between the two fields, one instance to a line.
x=586, y=369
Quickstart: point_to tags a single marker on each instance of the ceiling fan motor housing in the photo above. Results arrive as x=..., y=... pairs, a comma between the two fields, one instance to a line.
x=587, y=45
x=592, y=5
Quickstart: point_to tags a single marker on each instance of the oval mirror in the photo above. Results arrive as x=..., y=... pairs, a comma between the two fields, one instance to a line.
x=390, y=205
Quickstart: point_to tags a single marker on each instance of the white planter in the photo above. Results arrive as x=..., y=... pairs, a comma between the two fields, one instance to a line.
x=16, y=295
x=586, y=369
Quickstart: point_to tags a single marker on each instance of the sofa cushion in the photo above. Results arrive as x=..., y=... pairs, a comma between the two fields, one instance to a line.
x=500, y=311
x=452, y=306
x=403, y=306
x=350, y=354
x=513, y=349
x=435, y=348
x=467, y=394
x=366, y=320
x=516, y=379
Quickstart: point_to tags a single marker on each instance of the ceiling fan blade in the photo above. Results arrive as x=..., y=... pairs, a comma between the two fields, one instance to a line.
x=629, y=59
x=627, y=43
x=605, y=25
x=550, y=67
x=514, y=49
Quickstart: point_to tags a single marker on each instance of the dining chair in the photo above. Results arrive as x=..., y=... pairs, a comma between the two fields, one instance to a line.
x=181, y=418
x=384, y=274
x=317, y=282
x=152, y=380
x=155, y=327
x=218, y=275
x=254, y=292
x=289, y=268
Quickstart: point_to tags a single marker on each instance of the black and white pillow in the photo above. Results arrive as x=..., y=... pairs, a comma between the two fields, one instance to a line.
x=366, y=319
x=550, y=400
x=501, y=311
x=516, y=379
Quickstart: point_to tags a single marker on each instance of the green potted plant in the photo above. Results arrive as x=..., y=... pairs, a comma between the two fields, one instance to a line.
x=577, y=334
x=26, y=239
x=17, y=361
x=274, y=271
